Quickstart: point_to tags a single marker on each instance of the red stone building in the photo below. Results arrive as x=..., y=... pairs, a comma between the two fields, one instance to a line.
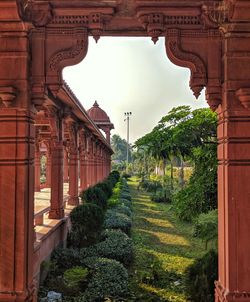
x=38, y=38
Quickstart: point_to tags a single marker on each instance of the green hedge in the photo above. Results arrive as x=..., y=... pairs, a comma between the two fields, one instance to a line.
x=115, y=220
x=86, y=220
x=109, y=279
x=200, y=278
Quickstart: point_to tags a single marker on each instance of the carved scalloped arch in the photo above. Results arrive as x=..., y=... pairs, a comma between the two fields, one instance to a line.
x=183, y=58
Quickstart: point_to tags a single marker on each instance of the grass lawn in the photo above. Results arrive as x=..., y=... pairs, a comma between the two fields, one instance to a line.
x=164, y=248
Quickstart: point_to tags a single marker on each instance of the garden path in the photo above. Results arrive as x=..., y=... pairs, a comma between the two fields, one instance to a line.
x=164, y=248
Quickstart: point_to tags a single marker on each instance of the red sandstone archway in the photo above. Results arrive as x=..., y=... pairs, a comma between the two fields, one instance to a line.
x=40, y=38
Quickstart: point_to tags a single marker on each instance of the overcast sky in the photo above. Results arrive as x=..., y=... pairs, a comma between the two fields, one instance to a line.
x=131, y=74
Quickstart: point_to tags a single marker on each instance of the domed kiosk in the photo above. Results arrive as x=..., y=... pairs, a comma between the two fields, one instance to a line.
x=101, y=119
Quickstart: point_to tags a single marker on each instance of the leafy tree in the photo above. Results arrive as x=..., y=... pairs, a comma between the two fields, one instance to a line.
x=191, y=135
x=119, y=147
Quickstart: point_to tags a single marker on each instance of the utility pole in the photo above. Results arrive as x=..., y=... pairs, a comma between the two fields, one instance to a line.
x=127, y=115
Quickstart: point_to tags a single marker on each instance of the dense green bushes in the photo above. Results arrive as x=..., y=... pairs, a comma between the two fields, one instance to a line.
x=162, y=195
x=200, y=194
x=95, y=195
x=200, y=278
x=109, y=279
x=206, y=226
x=87, y=220
x=93, y=268
x=115, y=244
x=150, y=186
x=116, y=220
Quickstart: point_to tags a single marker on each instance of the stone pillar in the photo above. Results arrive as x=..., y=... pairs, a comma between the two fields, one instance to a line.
x=83, y=159
x=66, y=167
x=94, y=163
x=234, y=170
x=107, y=132
x=37, y=168
x=57, y=148
x=73, y=177
x=73, y=164
x=48, y=167
x=17, y=137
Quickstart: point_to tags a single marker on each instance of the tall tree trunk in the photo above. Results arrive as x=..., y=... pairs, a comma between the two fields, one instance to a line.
x=164, y=166
x=181, y=175
x=172, y=173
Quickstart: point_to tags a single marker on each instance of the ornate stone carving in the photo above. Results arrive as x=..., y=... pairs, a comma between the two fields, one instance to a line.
x=214, y=15
x=7, y=95
x=213, y=100
x=71, y=49
x=187, y=59
x=38, y=12
x=155, y=25
x=67, y=54
x=53, y=116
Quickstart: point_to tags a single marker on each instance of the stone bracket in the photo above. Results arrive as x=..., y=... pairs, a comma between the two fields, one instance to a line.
x=188, y=59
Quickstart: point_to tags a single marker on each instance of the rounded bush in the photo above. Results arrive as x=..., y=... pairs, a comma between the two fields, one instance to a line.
x=86, y=220
x=63, y=259
x=126, y=195
x=123, y=209
x=75, y=279
x=200, y=277
x=95, y=195
x=125, y=202
x=109, y=279
x=115, y=245
x=114, y=220
x=105, y=187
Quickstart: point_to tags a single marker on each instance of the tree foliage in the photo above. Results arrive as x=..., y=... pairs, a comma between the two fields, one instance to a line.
x=187, y=134
x=119, y=147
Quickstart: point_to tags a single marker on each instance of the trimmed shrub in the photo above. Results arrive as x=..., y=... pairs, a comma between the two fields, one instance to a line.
x=125, y=195
x=115, y=245
x=75, y=279
x=125, y=202
x=200, y=277
x=95, y=195
x=109, y=279
x=113, y=177
x=63, y=259
x=206, y=226
x=114, y=220
x=87, y=220
x=123, y=210
x=106, y=187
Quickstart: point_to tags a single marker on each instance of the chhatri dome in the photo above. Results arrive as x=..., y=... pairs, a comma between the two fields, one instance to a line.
x=101, y=119
x=97, y=114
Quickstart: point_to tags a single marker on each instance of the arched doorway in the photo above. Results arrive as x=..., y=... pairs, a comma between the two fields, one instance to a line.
x=40, y=38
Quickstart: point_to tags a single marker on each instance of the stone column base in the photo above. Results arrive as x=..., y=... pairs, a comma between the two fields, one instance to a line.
x=73, y=201
x=222, y=295
x=56, y=214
